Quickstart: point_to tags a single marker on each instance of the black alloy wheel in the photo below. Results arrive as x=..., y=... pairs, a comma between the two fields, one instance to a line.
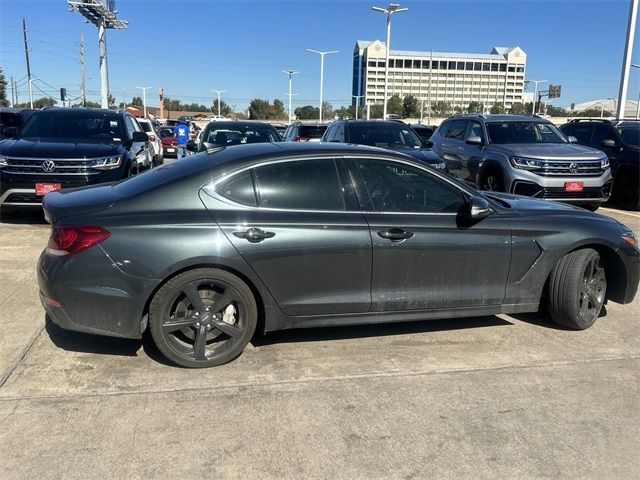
x=202, y=318
x=492, y=181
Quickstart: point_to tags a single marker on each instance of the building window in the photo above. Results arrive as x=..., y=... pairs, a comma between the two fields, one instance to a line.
x=416, y=64
x=520, y=69
x=503, y=67
x=452, y=65
x=494, y=67
x=485, y=67
x=443, y=65
x=512, y=68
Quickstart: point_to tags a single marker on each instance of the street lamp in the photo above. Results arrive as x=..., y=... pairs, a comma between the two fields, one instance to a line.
x=635, y=65
x=291, y=73
x=357, y=97
x=390, y=10
x=144, y=99
x=535, y=92
x=218, y=92
x=322, y=54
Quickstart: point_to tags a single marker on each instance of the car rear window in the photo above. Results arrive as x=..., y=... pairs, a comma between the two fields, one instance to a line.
x=145, y=126
x=312, y=131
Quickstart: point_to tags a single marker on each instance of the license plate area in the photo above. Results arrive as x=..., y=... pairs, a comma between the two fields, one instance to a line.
x=43, y=188
x=573, y=186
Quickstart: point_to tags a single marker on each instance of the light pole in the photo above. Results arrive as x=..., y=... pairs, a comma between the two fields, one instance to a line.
x=322, y=54
x=635, y=65
x=535, y=92
x=144, y=99
x=291, y=73
x=218, y=92
x=626, y=59
x=390, y=10
x=357, y=97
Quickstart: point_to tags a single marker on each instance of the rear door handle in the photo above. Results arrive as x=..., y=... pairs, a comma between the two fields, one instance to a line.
x=395, y=234
x=254, y=235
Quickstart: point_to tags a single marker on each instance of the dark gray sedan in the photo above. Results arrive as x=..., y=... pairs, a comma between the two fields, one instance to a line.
x=276, y=236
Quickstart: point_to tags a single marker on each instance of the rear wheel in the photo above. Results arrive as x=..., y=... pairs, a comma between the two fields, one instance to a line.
x=202, y=318
x=577, y=289
x=492, y=180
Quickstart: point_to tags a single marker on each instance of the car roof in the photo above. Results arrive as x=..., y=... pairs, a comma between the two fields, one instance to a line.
x=105, y=111
x=372, y=122
x=230, y=123
x=499, y=117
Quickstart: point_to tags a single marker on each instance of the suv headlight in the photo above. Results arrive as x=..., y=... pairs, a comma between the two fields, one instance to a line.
x=526, y=163
x=106, y=163
x=604, y=163
x=4, y=161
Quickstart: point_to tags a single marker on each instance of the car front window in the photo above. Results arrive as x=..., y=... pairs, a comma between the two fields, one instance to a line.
x=524, y=132
x=89, y=125
x=385, y=136
x=237, y=135
x=630, y=134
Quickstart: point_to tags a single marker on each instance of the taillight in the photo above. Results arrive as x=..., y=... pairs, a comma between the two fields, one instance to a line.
x=152, y=138
x=69, y=240
x=301, y=139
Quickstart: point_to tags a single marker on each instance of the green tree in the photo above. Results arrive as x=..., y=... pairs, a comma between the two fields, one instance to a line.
x=136, y=101
x=259, y=109
x=497, y=108
x=410, y=107
x=557, y=111
x=441, y=109
x=394, y=105
x=307, y=112
x=376, y=110
x=225, y=109
x=475, y=107
x=327, y=111
x=518, y=108
x=594, y=112
x=111, y=100
x=88, y=104
x=39, y=103
x=277, y=110
x=3, y=90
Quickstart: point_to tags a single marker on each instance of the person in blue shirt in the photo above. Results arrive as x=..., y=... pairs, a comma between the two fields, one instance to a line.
x=181, y=133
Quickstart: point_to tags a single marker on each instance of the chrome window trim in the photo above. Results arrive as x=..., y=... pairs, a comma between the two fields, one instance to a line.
x=210, y=187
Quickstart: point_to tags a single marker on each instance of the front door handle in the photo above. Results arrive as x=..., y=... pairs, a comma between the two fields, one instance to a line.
x=395, y=234
x=254, y=235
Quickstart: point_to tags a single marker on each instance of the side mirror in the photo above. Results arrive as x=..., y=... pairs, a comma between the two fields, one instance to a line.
x=192, y=146
x=474, y=140
x=10, y=132
x=139, y=137
x=572, y=139
x=480, y=208
x=608, y=143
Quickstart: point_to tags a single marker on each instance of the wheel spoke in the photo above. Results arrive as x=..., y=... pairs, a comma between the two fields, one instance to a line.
x=173, y=324
x=227, y=328
x=223, y=301
x=190, y=290
x=200, y=343
x=584, y=308
x=595, y=303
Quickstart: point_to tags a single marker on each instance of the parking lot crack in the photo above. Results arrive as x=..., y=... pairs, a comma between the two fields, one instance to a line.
x=12, y=367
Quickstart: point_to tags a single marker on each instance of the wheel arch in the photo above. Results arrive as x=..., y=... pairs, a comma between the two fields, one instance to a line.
x=492, y=164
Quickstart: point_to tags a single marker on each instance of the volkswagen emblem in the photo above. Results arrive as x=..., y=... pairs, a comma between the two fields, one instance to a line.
x=573, y=168
x=48, y=166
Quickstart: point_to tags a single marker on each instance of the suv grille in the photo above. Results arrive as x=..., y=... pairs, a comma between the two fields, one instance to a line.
x=567, y=168
x=49, y=166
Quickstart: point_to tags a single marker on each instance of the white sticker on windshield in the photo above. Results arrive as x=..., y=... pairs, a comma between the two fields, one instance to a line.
x=116, y=139
x=113, y=123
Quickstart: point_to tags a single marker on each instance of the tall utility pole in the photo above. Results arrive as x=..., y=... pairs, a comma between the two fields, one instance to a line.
x=26, y=53
x=535, y=92
x=390, y=10
x=101, y=15
x=83, y=84
x=161, y=97
x=218, y=92
x=635, y=65
x=13, y=102
x=322, y=54
x=291, y=73
x=626, y=60
x=357, y=97
x=144, y=99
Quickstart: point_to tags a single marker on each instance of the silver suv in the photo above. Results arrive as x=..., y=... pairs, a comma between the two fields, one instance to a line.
x=524, y=155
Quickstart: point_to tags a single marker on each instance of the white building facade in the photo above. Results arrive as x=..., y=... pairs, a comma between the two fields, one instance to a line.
x=455, y=78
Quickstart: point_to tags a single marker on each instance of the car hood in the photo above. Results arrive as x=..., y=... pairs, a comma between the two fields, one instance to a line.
x=548, y=151
x=58, y=148
x=422, y=154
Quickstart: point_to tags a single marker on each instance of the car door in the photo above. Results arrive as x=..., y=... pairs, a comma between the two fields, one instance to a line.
x=301, y=232
x=453, y=147
x=470, y=155
x=606, y=132
x=424, y=255
x=138, y=149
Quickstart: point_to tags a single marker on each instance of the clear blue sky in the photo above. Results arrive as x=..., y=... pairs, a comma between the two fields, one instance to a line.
x=190, y=47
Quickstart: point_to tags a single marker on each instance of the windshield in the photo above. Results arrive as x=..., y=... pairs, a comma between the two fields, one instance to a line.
x=62, y=124
x=146, y=126
x=239, y=134
x=630, y=134
x=524, y=132
x=384, y=135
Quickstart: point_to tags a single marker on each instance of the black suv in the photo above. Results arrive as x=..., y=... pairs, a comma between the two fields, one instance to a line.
x=11, y=120
x=69, y=147
x=620, y=140
x=389, y=134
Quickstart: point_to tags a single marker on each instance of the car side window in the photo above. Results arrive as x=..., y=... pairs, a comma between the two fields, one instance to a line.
x=340, y=134
x=330, y=133
x=396, y=187
x=474, y=129
x=600, y=133
x=457, y=130
x=239, y=188
x=583, y=133
x=130, y=127
x=300, y=185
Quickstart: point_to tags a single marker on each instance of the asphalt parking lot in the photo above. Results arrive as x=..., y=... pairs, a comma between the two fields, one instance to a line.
x=490, y=397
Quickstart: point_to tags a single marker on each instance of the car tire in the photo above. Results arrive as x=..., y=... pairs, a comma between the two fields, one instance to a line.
x=492, y=180
x=577, y=289
x=133, y=169
x=188, y=318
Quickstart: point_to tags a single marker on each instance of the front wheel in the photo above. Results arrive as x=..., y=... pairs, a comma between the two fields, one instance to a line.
x=202, y=318
x=492, y=181
x=577, y=289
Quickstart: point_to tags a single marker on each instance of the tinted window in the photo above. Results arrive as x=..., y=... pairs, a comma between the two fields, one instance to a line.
x=394, y=187
x=300, y=185
x=239, y=188
x=385, y=135
x=65, y=124
x=630, y=133
x=237, y=134
x=311, y=131
x=456, y=130
x=582, y=133
x=602, y=132
x=524, y=132
x=146, y=126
